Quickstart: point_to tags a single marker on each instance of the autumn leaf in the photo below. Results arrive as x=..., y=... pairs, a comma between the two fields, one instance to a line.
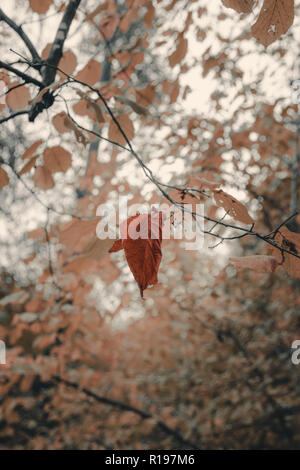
x=91, y=73
x=91, y=104
x=58, y=122
x=143, y=254
x=185, y=197
x=67, y=64
x=40, y=6
x=57, y=159
x=150, y=15
x=241, y=6
x=77, y=234
x=108, y=26
x=18, y=98
x=258, y=263
x=202, y=183
x=81, y=265
x=27, y=167
x=126, y=125
x=290, y=241
x=180, y=51
x=98, y=248
x=145, y=96
x=43, y=178
x=4, y=179
x=275, y=18
x=31, y=150
x=231, y=205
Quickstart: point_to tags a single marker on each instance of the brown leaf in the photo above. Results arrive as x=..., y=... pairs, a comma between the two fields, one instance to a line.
x=27, y=167
x=146, y=96
x=40, y=6
x=77, y=233
x=58, y=122
x=57, y=159
x=18, y=98
x=202, y=183
x=275, y=18
x=231, y=205
x=290, y=241
x=67, y=63
x=31, y=150
x=126, y=124
x=108, y=25
x=4, y=179
x=43, y=178
x=91, y=104
x=180, y=51
x=241, y=6
x=91, y=73
x=258, y=263
x=98, y=248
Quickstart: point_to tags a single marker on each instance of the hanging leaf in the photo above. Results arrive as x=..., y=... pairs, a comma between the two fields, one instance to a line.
x=231, y=205
x=143, y=254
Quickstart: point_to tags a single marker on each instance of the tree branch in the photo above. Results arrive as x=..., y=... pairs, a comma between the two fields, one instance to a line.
x=56, y=50
x=24, y=76
x=12, y=116
x=124, y=407
x=18, y=29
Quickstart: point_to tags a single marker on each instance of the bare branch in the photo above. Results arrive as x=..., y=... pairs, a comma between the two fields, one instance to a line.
x=24, y=76
x=12, y=116
x=18, y=29
x=124, y=407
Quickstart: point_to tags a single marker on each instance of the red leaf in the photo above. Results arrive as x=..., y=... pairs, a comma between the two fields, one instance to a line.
x=143, y=253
